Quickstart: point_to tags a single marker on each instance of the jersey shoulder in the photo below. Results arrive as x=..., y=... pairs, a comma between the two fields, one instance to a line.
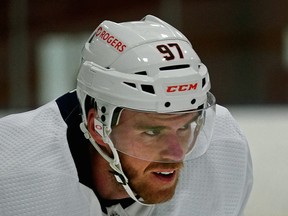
x=35, y=139
x=226, y=126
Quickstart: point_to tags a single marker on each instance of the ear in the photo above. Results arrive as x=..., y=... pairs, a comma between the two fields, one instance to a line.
x=91, y=128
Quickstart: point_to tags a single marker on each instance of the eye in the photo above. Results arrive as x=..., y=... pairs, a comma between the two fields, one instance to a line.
x=185, y=127
x=152, y=132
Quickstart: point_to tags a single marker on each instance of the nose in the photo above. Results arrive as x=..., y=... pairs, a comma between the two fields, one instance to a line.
x=173, y=150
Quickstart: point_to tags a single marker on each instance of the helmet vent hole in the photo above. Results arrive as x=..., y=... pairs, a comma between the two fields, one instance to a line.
x=148, y=89
x=141, y=73
x=103, y=118
x=133, y=85
x=193, y=101
x=174, y=67
x=167, y=104
x=203, y=82
x=103, y=109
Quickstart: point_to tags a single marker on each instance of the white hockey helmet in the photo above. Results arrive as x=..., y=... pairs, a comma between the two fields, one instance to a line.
x=146, y=65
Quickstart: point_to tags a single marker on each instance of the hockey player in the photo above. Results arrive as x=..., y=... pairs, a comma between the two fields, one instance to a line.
x=141, y=135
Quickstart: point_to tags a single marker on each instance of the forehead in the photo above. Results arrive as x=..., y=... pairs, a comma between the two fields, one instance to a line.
x=146, y=117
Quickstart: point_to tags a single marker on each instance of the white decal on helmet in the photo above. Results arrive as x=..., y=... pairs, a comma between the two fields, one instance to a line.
x=110, y=39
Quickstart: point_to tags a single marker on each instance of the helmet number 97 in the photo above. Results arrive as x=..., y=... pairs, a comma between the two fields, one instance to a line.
x=167, y=50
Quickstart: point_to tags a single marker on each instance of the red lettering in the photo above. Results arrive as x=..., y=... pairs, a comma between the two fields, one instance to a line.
x=193, y=86
x=182, y=88
x=105, y=37
x=110, y=39
x=114, y=42
x=171, y=88
x=118, y=45
x=102, y=34
x=121, y=49
x=98, y=31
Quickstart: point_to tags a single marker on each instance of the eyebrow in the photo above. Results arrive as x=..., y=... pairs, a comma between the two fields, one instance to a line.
x=145, y=126
x=194, y=118
x=148, y=127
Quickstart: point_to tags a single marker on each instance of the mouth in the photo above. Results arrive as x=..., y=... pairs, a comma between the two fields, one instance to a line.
x=165, y=173
x=165, y=176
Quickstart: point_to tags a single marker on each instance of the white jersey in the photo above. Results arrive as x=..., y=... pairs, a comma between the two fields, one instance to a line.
x=42, y=173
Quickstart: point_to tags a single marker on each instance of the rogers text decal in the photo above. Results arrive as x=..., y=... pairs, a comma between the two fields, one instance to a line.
x=110, y=39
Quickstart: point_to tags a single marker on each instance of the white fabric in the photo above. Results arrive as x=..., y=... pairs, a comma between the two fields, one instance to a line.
x=37, y=172
x=38, y=176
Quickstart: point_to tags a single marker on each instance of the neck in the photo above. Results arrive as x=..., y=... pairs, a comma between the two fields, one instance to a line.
x=103, y=180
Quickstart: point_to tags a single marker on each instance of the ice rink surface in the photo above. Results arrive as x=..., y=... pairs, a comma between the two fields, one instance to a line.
x=266, y=128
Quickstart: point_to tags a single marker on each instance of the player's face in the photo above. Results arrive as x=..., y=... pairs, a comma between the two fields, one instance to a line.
x=148, y=138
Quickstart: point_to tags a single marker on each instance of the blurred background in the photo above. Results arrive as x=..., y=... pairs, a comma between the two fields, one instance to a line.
x=244, y=44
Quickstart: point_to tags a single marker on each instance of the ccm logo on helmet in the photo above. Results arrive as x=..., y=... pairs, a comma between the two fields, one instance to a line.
x=110, y=39
x=182, y=88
